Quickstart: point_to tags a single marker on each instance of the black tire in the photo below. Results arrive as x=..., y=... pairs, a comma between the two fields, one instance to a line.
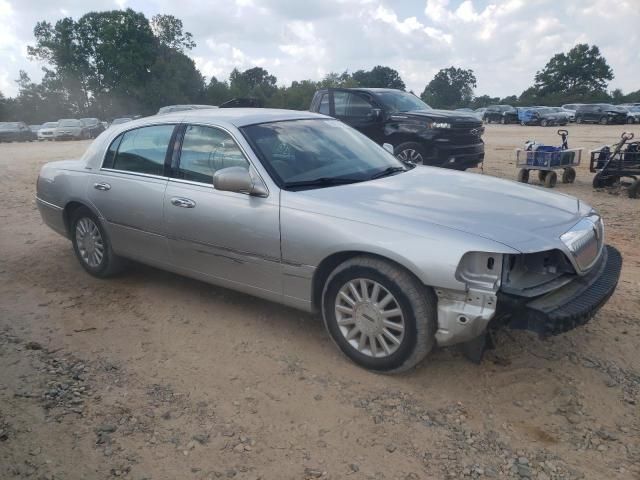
x=578, y=120
x=110, y=263
x=603, y=181
x=406, y=148
x=544, y=122
x=523, y=175
x=634, y=190
x=417, y=302
x=542, y=174
x=569, y=175
x=603, y=120
x=550, y=180
x=503, y=121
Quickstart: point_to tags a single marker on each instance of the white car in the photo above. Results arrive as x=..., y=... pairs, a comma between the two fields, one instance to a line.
x=47, y=131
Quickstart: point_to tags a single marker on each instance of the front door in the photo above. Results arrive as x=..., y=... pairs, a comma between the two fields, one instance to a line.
x=358, y=111
x=225, y=237
x=128, y=192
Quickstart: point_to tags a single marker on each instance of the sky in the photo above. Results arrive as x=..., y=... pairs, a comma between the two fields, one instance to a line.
x=503, y=41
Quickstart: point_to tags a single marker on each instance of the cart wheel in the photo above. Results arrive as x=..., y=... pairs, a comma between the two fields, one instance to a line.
x=523, y=175
x=634, y=190
x=603, y=181
x=568, y=175
x=542, y=174
x=550, y=179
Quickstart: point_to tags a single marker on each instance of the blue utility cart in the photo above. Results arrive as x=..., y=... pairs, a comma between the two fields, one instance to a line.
x=546, y=159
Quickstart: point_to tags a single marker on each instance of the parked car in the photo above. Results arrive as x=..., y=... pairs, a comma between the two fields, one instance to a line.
x=47, y=131
x=571, y=106
x=543, y=116
x=479, y=113
x=633, y=113
x=418, y=133
x=602, y=113
x=243, y=102
x=35, y=128
x=500, y=114
x=16, y=132
x=182, y=108
x=571, y=114
x=303, y=210
x=120, y=121
x=70, y=129
x=93, y=125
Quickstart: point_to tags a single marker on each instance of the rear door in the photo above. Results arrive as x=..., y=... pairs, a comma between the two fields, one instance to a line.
x=357, y=110
x=228, y=238
x=129, y=189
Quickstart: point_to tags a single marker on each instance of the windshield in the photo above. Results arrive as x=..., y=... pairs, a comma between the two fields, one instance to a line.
x=326, y=151
x=9, y=126
x=634, y=109
x=69, y=123
x=397, y=101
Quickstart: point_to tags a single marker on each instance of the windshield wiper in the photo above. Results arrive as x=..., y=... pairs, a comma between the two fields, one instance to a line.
x=322, y=182
x=387, y=171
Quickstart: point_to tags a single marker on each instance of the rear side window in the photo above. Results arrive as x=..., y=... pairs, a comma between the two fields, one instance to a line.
x=324, y=104
x=206, y=150
x=142, y=150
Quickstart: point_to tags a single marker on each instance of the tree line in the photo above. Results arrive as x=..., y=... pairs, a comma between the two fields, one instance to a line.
x=119, y=62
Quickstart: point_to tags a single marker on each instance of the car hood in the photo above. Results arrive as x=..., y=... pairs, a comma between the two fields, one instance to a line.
x=522, y=217
x=448, y=115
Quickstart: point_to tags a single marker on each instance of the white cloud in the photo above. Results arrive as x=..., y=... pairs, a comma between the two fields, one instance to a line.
x=504, y=41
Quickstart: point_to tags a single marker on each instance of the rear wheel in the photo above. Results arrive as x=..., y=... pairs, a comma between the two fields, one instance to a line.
x=410, y=152
x=542, y=174
x=568, y=175
x=92, y=246
x=379, y=315
x=550, y=179
x=503, y=120
x=544, y=122
x=602, y=181
x=603, y=120
x=523, y=175
x=578, y=119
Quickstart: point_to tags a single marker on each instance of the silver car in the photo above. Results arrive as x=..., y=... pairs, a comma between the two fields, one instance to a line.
x=47, y=131
x=70, y=129
x=300, y=209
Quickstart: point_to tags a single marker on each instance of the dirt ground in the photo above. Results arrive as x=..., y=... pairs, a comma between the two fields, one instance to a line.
x=154, y=376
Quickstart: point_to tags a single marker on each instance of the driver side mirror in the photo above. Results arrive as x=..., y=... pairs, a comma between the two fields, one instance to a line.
x=239, y=180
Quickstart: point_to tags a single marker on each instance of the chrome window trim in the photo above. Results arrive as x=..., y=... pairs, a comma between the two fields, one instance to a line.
x=135, y=174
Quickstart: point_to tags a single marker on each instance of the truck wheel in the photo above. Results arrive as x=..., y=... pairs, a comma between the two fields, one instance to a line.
x=568, y=175
x=92, y=246
x=379, y=315
x=410, y=152
x=550, y=180
x=634, y=190
x=523, y=175
x=542, y=174
x=603, y=120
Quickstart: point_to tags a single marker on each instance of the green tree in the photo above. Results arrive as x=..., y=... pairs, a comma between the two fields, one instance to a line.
x=169, y=32
x=379, y=77
x=216, y=92
x=338, y=80
x=581, y=71
x=451, y=87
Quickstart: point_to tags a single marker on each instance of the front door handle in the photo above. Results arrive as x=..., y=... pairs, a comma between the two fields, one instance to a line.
x=102, y=186
x=183, y=202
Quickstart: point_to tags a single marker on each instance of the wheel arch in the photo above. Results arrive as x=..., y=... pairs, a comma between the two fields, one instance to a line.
x=70, y=208
x=331, y=262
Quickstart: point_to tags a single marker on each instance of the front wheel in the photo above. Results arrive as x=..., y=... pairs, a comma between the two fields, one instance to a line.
x=544, y=123
x=379, y=315
x=92, y=245
x=410, y=152
x=603, y=121
x=578, y=120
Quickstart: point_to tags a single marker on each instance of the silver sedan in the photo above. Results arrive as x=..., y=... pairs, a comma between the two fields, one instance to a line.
x=300, y=209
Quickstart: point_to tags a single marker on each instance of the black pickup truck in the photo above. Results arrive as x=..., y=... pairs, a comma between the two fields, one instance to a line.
x=418, y=133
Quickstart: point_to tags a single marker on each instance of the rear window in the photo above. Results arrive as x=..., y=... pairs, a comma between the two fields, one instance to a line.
x=142, y=150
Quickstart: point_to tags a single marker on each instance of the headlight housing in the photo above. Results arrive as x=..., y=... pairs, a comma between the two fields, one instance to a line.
x=584, y=240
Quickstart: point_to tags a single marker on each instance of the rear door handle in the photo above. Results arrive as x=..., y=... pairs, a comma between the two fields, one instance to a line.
x=102, y=186
x=183, y=202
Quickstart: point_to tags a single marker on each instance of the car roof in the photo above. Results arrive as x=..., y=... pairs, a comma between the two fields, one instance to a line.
x=238, y=117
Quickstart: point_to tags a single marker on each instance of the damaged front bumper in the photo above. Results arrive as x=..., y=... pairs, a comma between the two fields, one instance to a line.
x=569, y=306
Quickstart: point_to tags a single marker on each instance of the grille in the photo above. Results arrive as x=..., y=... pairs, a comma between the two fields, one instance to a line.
x=466, y=125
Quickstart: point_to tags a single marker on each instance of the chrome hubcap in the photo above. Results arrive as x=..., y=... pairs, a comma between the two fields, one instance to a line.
x=369, y=318
x=409, y=155
x=89, y=241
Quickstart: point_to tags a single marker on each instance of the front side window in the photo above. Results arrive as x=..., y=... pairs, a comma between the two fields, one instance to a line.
x=397, y=101
x=206, y=150
x=323, y=152
x=324, y=104
x=349, y=104
x=142, y=150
